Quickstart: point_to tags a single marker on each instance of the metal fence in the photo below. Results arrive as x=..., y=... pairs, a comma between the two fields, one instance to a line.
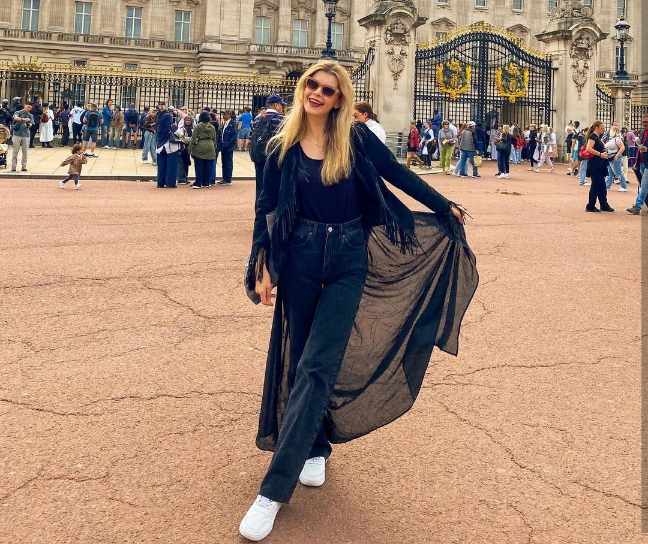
x=636, y=115
x=605, y=105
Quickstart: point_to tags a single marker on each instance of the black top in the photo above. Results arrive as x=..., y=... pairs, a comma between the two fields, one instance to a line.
x=597, y=165
x=337, y=203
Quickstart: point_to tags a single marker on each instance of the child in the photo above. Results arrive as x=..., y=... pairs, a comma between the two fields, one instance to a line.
x=76, y=160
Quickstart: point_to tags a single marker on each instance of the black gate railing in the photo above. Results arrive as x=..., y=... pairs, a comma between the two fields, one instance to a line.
x=636, y=115
x=361, y=78
x=605, y=105
x=484, y=74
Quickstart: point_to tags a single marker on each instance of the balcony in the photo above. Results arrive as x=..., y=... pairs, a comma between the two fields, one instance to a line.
x=97, y=39
x=274, y=51
x=608, y=75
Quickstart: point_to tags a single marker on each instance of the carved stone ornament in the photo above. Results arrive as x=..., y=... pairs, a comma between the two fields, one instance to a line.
x=397, y=33
x=396, y=58
x=581, y=51
x=571, y=9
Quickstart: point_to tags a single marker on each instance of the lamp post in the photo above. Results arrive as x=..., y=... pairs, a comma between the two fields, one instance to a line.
x=330, y=6
x=622, y=34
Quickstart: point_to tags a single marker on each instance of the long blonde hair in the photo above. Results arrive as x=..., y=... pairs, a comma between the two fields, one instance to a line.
x=337, y=160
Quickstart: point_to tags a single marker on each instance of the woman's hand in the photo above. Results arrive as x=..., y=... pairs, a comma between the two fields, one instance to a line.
x=604, y=155
x=457, y=214
x=264, y=288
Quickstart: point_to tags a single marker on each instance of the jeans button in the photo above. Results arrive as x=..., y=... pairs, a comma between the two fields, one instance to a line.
x=330, y=229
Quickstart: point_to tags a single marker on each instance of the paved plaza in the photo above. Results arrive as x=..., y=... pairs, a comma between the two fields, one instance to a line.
x=132, y=367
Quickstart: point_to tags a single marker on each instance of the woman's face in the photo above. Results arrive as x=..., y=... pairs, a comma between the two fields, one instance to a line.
x=321, y=94
x=599, y=130
x=360, y=117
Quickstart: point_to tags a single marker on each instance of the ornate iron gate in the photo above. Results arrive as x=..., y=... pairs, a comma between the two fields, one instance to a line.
x=636, y=117
x=605, y=105
x=483, y=74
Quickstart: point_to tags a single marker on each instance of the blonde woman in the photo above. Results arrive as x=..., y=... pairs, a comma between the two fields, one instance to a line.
x=365, y=288
x=546, y=147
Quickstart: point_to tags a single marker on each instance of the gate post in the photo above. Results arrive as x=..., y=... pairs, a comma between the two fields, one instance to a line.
x=622, y=92
x=391, y=30
x=572, y=39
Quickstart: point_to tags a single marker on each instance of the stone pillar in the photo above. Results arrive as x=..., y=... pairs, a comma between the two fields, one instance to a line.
x=56, y=11
x=321, y=25
x=160, y=15
x=247, y=21
x=5, y=16
x=284, y=36
x=213, y=20
x=356, y=32
x=231, y=12
x=622, y=91
x=572, y=39
x=391, y=29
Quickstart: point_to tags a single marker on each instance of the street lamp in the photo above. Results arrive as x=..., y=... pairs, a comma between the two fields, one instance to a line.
x=330, y=6
x=622, y=34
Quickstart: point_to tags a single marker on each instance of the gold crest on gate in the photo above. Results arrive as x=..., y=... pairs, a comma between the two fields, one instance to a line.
x=453, y=78
x=512, y=81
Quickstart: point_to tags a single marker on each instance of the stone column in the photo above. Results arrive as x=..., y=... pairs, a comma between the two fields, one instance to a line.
x=56, y=13
x=320, y=25
x=284, y=22
x=231, y=13
x=5, y=15
x=356, y=32
x=213, y=21
x=622, y=91
x=160, y=15
x=391, y=30
x=247, y=21
x=572, y=39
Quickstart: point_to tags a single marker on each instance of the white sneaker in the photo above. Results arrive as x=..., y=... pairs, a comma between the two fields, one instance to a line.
x=259, y=520
x=623, y=189
x=499, y=176
x=505, y=176
x=77, y=186
x=61, y=185
x=314, y=472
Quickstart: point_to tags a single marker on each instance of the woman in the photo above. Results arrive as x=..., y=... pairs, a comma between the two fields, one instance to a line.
x=363, y=113
x=583, y=163
x=63, y=116
x=503, y=148
x=107, y=113
x=167, y=148
x=532, y=147
x=184, y=132
x=518, y=145
x=116, y=128
x=203, y=150
x=597, y=168
x=46, y=126
x=447, y=140
x=413, y=141
x=545, y=149
x=467, y=150
x=427, y=143
x=341, y=248
x=615, y=149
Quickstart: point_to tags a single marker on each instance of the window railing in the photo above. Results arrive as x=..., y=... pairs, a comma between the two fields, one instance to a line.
x=292, y=51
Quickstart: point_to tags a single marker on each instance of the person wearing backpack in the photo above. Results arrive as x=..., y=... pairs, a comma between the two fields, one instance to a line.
x=265, y=126
x=91, y=124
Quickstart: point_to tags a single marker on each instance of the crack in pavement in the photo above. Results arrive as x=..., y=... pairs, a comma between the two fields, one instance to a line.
x=39, y=477
x=525, y=521
x=188, y=395
x=609, y=494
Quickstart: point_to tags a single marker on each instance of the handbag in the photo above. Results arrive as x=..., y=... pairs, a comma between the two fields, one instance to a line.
x=477, y=159
x=585, y=155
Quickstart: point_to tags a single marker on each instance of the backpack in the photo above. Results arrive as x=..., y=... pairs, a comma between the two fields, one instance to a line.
x=264, y=129
x=92, y=119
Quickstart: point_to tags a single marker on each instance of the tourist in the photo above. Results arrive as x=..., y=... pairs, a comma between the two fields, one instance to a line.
x=631, y=141
x=141, y=119
x=63, y=118
x=570, y=132
x=131, y=117
x=107, y=113
x=532, y=147
x=436, y=121
x=214, y=121
x=413, y=141
x=117, y=128
x=184, y=132
x=46, y=126
x=5, y=114
x=323, y=183
x=265, y=126
x=467, y=151
x=447, y=140
x=167, y=148
x=426, y=146
x=641, y=168
x=77, y=123
x=228, y=144
x=545, y=149
x=494, y=136
x=203, y=150
x=91, y=126
x=148, y=132
x=37, y=112
x=245, y=129
x=363, y=113
x=625, y=160
x=22, y=123
x=615, y=147
x=597, y=169
x=503, y=147
x=76, y=161
x=583, y=162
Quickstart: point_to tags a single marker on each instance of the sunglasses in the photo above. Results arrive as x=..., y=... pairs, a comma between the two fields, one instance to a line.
x=313, y=85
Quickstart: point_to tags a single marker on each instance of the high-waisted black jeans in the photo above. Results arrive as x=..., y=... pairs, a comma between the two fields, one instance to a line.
x=322, y=283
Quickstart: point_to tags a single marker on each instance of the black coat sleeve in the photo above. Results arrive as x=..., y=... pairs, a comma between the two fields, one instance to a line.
x=400, y=176
x=267, y=203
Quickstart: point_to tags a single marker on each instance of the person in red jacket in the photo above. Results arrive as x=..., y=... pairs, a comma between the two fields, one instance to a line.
x=413, y=141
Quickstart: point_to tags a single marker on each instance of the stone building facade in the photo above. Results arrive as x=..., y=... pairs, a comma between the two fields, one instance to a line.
x=260, y=36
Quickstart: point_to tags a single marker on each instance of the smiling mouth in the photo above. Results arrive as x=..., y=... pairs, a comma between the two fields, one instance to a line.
x=315, y=103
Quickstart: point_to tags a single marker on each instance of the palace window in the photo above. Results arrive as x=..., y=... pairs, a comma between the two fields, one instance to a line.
x=621, y=9
x=518, y=5
x=481, y=4
x=300, y=32
x=337, y=35
x=30, y=15
x=440, y=35
x=82, y=17
x=262, y=30
x=182, y=26
x=80, y=63
x=128, y=96
x=133, y=22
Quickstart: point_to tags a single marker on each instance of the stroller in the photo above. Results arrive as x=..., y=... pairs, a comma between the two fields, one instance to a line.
x=4, y=146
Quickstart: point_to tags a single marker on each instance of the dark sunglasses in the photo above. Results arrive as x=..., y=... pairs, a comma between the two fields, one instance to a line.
x=314, y=85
